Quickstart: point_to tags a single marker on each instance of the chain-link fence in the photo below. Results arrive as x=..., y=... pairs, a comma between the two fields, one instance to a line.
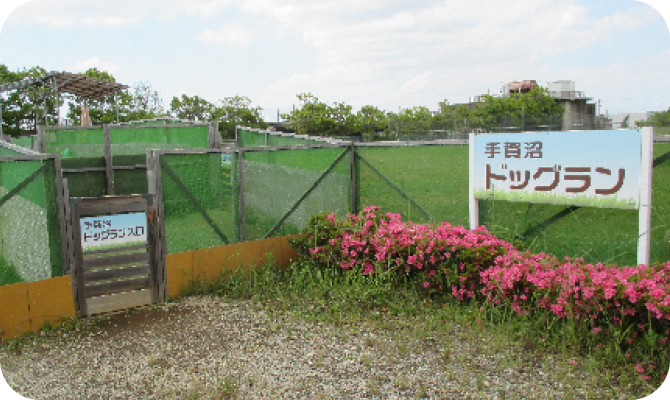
x=273, y=190
x=30, y=231
x=111, y=159
x=218, y=196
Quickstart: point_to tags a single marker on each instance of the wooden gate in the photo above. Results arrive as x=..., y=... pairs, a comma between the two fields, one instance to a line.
x=115, y=267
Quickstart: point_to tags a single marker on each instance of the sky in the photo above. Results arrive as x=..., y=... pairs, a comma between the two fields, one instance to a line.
x=386, y=53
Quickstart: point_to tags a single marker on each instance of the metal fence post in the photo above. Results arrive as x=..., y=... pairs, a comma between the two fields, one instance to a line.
x=106, y=133
x=355, y=178
x=240, y=190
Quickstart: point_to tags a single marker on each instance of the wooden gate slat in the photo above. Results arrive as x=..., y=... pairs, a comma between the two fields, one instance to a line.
x=98, y=289
x=118, y=249
x=118, y=301
x=90, y=263
x=109, y=205
x=94, y=276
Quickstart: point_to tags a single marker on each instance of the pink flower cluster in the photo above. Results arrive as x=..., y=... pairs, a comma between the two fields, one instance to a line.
x=470, y=264
x=447, y=256
x=577, y=289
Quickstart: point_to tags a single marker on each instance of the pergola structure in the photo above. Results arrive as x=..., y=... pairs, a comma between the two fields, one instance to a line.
x=66, y=82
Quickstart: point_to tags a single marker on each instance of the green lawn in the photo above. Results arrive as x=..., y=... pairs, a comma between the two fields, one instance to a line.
x=8, y=274
x=436, y=179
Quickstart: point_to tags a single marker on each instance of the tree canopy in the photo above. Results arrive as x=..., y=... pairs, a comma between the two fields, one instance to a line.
x=229, y=112
x=314, y=117
x=21, y=109
x=660, y=121
x=528, y=111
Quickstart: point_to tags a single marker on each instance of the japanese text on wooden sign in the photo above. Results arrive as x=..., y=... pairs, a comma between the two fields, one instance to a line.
x=113, y=229
x=588, y=168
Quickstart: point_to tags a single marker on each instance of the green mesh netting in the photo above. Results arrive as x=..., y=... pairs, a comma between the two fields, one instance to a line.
x=421, y=183
x=25, y=141
x=78, y=143
x=4, y=151
x=208, y=178
x=137, y=140
x=247, y=138
x=273, y=181
x=29, y=222
x=130, y=181
x=276, y=140
x=85, y=149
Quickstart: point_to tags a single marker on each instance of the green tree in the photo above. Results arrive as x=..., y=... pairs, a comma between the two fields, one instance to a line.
x=345, y=121
x=370, y=121
x=146, y=101
x=22, y=109
x=234, y=111
x=521, y=111
x=314, y=117
x=191, y=108
x=659, y=120
x=416, y=120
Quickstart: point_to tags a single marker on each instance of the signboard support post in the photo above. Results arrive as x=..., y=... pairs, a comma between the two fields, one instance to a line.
x=473, y=202
x=644, y=238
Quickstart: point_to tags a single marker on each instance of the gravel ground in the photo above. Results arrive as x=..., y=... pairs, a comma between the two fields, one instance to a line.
x=211, y=348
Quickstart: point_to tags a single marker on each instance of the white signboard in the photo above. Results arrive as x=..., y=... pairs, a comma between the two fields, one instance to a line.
x=112, y=230
x=607, y=169
x=589, y=168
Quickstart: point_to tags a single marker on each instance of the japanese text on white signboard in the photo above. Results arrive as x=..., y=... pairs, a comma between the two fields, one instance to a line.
x=113, y=229
x=596, y=168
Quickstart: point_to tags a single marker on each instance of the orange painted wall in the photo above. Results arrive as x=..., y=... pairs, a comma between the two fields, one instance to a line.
x=26, y=307
x=207, y=265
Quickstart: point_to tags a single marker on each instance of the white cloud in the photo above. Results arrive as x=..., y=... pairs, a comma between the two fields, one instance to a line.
x=234, y=34
x=417, y=83
x=95, y=62
x=388, y=52
x=65, y=13
x=393, y=44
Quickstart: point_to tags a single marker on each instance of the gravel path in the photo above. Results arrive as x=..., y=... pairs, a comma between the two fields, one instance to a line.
x=211, y=348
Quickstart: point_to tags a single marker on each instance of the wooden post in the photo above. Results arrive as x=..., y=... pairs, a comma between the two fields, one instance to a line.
x=69, y=244
x=41, y=140
x=646, y=169
x=154, y=266
x=78, y=259
x=474, y=203
x=61, y=193
x=240, y=193
x=354, y=178
x=106, y=133
x=154, y=184
x=212, y=131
